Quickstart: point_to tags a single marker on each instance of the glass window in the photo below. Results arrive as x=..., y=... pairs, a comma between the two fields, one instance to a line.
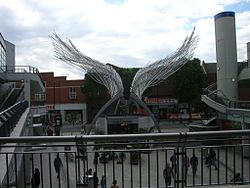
x=72, y=93
x=2, y=59
x=40, y=97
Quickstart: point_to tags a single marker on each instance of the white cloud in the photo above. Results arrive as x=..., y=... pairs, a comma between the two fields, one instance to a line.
x=132, y=33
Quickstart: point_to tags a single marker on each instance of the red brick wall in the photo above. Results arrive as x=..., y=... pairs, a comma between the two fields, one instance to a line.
x=57, y=89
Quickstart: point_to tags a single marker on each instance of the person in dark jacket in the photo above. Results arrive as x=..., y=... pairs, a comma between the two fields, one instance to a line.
x=194, y=163
x=58, y=164
x=237, y=180
x=173, y=161
x=114, y=184
x=96, y=158
x=35, y=180
x=168, y=174
x=103, y=182
x=211, y=160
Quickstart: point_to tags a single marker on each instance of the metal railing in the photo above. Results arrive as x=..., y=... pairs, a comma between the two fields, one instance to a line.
x=134, y=160
x=212, y=93
x=10, y=116
x=23, y=69
x=239, y=104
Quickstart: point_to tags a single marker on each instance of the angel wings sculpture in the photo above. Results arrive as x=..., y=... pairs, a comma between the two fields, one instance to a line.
x=151, y=75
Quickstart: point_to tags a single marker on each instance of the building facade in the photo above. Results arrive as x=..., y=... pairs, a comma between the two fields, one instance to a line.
x=65, y=97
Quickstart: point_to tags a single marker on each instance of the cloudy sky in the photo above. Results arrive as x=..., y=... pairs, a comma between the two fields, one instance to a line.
x=126, y=33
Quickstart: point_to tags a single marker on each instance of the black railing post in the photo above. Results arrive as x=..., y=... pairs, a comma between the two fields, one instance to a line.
x=180, y=170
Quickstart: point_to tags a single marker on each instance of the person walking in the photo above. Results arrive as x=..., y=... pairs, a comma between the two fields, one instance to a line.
x=103, y=182
x=173, y=161
x=58, y=164
x=167, y=174
x=89, y=172
x=35, y=180
x=212, y=158
x=114, y=184
x=96, y=158
x=49, y=132
x=194, y=163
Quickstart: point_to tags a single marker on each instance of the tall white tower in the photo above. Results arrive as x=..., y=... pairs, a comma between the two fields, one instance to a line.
x=226, y=55
x=248, y=53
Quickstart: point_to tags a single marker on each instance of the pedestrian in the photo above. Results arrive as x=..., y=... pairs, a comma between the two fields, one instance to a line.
x=96, y=158
x=73, y=119
x=58, y=164
x=96, y=180
x=212, y=158
x=167, y=174
x=103, y=182
x=237, y=180
x=82, y=150
x=173, y=161
x=57, y=130
x=35, y=180
x=49, y=132
x=194, y=163
x=114, y=184
x=89, y=172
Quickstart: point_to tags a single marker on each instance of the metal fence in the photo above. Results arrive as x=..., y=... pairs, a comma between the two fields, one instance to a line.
x=10, y=116
x=134, y=160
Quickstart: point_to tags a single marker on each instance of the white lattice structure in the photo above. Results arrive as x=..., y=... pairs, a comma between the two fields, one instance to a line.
x=158, y=71
x=146, y=77
x=101, y=73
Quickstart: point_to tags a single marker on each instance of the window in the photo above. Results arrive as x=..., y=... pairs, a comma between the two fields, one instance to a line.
x=72, y=93
x=40, y=97
x=2, y=59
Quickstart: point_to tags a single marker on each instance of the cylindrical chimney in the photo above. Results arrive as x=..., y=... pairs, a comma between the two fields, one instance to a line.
x=248, y=54
x=226, y=55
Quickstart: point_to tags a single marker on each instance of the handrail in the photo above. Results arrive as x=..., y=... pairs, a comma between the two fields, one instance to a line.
x=229, y=103
x=10, y=116
x=22, y=69
x=127, y=137
x=212, y=86
x=11, y=107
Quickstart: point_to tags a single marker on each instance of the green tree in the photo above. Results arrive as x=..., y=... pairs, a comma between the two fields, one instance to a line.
x=188, y=82
x=97, y=95
x=127, y=76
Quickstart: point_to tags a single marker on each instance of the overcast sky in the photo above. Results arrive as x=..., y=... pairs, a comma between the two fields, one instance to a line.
x=126, y=33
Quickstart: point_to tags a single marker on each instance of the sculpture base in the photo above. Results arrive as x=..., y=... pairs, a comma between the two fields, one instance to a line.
x=119, y=124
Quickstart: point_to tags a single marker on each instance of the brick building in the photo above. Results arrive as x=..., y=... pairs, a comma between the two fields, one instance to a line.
x=65, y=97
x=243, y=85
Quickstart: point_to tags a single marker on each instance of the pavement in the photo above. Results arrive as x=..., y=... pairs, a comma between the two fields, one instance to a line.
x=148, y=172
x=205, y=176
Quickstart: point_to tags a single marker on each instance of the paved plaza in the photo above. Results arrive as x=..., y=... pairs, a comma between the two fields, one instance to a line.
x=147, y=173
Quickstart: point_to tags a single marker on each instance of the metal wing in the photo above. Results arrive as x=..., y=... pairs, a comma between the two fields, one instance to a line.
x=158, y=71
x=101, y=73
